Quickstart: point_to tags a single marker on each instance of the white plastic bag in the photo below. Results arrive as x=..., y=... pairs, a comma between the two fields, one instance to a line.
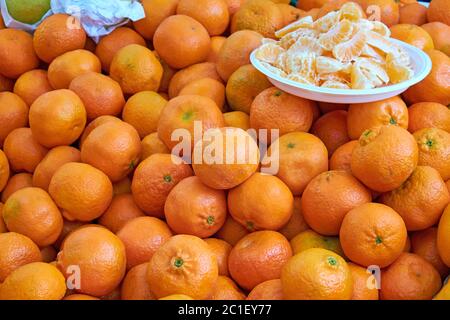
x=11, y=23
x=100, y=17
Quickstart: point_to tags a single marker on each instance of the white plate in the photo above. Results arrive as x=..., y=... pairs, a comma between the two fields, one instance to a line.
x=420, y=63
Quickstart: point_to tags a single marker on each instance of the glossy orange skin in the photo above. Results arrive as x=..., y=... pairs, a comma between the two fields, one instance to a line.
x=100, y=256
x=143, y=110
x=114, y=148
x=258, y=257
x=183, y=265
x=95, y=124
x=153, y=179
x=194, y=48
x=331, y=128
x=439, y=10
x=16, y=250
x=212, y=14
x=412, y=34
x=181, y=113
x=80, y=297
x=31, y=212
x=440, y=33
x=232, y=231
x=156, y=11
x=385, y=157
x=57, y=118
x=362, y=117
x=420, y=200
x=434, y=150
x=302, y=156
x=31, y=85
x=53, y=37
x=100, y=94
x=216, y=44
x=135, y=286
x=238, y=162
x=290, y=13
x=360, y=277
x=413, y=13
x=17, y=55
x=389, y=10
x=142, y=236
x=296, y=223
x=4, y=170
x=136, y=68
x=16, y=182
x=329, y=197
x=34, y=281
x=436, y=86
x=373, y=234
x=82, y=191
x=311, y=4
x=205, y=213
x=226, y=289
x=316, y=274
x=310, y=239
x=428, y=115
x=262, y=202
x=410, y=277
x=207, y=87
x=243, y=86
x=187, y=75
x=110, y=44
x=267, y=290
x=54, y=159
x=236, y=51
x=424, y=244
x=275, y=109
x=151, y=144
x=70, y=65
x=221, y=249
x=443, y=238
x=3, y=228
x=23, y=150
x=121, y=210
x=13, y=114
x=68, y=227
x=342, y=156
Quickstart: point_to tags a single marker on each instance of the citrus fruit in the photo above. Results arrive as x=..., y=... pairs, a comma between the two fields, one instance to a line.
x=443, y=239
x=438, y=11
x=226, y=289
x=100, y=94
x=420, y=200
x=95, y=124
x=231, y=231
x=386, y=10
x=361, y=277
x=424, y=115
x=221, y=250
x=310, y=239
x=342, y=157
x=373, y=234
x=413, y=13
x=31, y=212
x=331, y=128
x=258, y=257
x=237, y=119
x=444, y=294
x=82, y=191
x=183, y=265
x=440, y=33
x=154, y=178
x=136, y=69
x=135, y=286
x=216, y=44
x=56, y=36
x=151, y=144
x=80, y=297
x=267, y=290
x=206, y=212
x=316, y=274
x=296, y=223
x=99, y=256
x=263, y=202
x=142, y=236
x=193, y=49
x=17, y=182
x=28, y=12
x=155, y=12
x=57, y=118
x=412, y=34
x=206, y=87
x=384, y=158
x=13, y=113
x=31, y=85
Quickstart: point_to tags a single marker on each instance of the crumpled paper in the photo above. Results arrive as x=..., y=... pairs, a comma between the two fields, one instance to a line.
x=11, y=23
x=100, y=17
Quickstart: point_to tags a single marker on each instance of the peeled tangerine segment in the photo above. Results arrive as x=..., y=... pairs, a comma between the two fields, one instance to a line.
x=350, y=49
x=381, y=28
x=335, y=84
x=303, y=64
x=381, y=42
x=367, y=74
x=324, y=23
x=300, y=79
x=335, y=76
x=373, y=53
x=374, y=69
x=269, y=52
x=351, y=11
x=280, y=63
x=337, y=34
x=397, y=72
x=288, y=40
x=274, y=70
x=329, y=65
x=306, y=44
x=305, y=22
